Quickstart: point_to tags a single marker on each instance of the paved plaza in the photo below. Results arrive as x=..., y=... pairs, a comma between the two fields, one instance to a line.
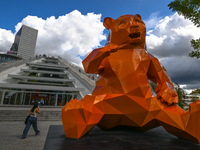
x=52, y=137
x=11, y=132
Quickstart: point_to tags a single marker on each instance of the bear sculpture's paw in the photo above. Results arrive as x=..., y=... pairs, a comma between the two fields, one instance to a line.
x=79, y=117
x=191, y=121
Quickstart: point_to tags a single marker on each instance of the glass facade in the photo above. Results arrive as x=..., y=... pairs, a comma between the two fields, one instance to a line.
x=4, y=59
x=29, y=97
x=1, y=97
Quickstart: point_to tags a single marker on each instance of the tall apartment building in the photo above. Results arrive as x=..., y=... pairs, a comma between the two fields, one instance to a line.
x=25, y=42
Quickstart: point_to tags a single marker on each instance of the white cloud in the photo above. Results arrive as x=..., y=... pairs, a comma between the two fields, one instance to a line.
x=6, y=40
x=154, y=40
x=70, y=36
x=152, y=21
x=170, y=42
x=189, y=30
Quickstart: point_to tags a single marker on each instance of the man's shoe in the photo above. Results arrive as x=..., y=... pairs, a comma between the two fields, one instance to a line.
x=38, y=133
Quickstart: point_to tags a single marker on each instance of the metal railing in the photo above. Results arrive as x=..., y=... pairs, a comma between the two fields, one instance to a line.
x=14, y=63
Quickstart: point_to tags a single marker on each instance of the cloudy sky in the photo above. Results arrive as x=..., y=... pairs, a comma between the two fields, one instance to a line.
x=71, y=29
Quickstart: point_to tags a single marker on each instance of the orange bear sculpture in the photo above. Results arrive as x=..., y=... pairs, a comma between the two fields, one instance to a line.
x=123, y=95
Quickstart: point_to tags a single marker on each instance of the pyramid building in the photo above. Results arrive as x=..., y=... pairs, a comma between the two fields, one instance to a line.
x=54, y=80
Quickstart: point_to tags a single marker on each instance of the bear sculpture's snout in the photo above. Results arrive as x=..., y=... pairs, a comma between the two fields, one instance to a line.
x=134, y=35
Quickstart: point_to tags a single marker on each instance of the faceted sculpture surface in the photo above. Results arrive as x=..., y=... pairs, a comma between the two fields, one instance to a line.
x=123, y=95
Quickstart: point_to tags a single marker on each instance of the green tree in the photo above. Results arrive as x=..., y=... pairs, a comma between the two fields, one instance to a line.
x=190, y=9
x=196, y=91
x=180, y=93
x=153, y=85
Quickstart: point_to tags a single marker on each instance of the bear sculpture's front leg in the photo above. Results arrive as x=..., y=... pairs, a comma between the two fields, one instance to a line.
x=79, y=117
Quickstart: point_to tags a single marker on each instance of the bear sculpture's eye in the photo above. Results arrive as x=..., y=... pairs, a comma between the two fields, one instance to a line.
x=138, y=20
x=122, y=24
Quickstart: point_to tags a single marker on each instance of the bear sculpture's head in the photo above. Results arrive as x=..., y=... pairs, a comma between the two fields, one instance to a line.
x=125, y=29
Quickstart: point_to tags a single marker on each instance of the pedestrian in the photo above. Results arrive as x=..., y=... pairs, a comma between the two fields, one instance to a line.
x=32, y=120
x=42, y=101
x=33, y=102
x=39, y=103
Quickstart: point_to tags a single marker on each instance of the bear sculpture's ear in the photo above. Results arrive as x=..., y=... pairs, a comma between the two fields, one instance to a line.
x=137, y=15
x=108, y=22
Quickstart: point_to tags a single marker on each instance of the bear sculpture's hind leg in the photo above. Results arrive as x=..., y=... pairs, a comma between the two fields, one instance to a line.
x=79, y=117
x=183, y=124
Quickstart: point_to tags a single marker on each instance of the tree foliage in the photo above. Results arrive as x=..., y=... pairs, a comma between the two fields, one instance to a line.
x=180, y=95
x=190, y=9
x=153, y=85
x=197, y=91
x=196, y=45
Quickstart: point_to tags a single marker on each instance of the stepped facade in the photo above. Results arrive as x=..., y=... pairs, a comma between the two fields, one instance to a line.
x=54, y=80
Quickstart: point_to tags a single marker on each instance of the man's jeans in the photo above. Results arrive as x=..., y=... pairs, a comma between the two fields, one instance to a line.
x=33, y=121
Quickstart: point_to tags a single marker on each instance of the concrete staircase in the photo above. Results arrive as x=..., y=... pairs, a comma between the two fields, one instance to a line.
x=14, y=64
x=20, y=113
x=81, y=74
